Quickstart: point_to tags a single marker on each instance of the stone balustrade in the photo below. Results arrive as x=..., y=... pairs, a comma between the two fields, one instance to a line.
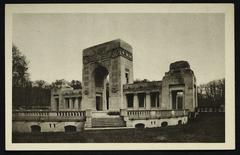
x=71, y=113
x=155, y=114
x=49, y=115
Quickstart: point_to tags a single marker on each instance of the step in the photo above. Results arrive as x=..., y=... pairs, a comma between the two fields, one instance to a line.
x=109, y=128
x=108, y=122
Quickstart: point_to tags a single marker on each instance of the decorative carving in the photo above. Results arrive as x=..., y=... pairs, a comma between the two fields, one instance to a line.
x=85, y=78
x=115, y=53
x=142, y=86
x=86, y=92
x=85, y=83
x=86, y=59
x=102, y=54
x=114, y=89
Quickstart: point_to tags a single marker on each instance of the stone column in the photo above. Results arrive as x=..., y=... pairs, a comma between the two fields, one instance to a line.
x=170, y=100
x=64, y=103
x=70, y=103
x=148, y=101
x=124, y=106
x=79, y=103
x=124, y=114
x=75, y=103
x=173, y=113
x=135, y=102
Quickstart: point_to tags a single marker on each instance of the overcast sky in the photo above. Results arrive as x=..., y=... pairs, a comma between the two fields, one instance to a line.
x=53, y=43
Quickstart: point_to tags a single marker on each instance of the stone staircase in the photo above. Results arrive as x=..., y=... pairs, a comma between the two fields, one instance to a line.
x=108, y=122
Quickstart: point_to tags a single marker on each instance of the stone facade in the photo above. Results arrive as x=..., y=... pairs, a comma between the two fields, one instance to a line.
x=109, y=95
x=108, y=84
x=179, y=80
x=66, y=99
x=106, y=63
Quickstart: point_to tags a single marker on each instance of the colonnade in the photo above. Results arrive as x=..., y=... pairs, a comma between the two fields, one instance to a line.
x=144, y=102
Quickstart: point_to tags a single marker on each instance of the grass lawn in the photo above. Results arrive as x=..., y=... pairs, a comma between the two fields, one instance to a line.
x=208, y=127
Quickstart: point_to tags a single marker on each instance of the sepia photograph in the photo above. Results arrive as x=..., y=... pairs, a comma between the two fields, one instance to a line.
x=120, y=76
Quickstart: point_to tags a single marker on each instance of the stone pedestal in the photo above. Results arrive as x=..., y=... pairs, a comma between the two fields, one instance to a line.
x=88, y=123
x=123, y=112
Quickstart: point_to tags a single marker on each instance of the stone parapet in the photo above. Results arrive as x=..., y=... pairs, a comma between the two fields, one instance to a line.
x=155, y=114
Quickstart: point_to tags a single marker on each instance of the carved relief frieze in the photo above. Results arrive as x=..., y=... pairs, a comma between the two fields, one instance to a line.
x=122, y=52
x=102, y=54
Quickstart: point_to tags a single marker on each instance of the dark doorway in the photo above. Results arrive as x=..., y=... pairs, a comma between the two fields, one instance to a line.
x=35, y=129
x=70, y=128
x=177, y=99
x=130, y=100
x=141, y=100
x=57, y=104
x=174, y=94
x=99, y=103
x=101, y=87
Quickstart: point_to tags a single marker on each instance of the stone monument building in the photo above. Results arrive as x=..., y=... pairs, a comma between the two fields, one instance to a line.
x=110, y=98
x=108, y=63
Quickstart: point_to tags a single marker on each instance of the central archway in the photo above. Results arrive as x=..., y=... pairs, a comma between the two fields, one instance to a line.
x=112, y=58
x=101, y=84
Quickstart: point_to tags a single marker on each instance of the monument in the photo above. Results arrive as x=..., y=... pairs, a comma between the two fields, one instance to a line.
x=110, y=98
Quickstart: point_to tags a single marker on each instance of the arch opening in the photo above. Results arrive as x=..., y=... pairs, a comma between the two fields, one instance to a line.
x=177, y=99
x=164, y=124
x=180, y=122
x=70, y=128
x=140, y=126
x=35, y=129
x=101, y=78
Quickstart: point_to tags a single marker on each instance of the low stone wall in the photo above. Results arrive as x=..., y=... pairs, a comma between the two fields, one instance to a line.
x=77, y=121
x=151, y=123
x=22, y=126
x=154, y=118
x=48, y=121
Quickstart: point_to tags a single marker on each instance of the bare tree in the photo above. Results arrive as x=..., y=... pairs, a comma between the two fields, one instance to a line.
x=212, y=93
